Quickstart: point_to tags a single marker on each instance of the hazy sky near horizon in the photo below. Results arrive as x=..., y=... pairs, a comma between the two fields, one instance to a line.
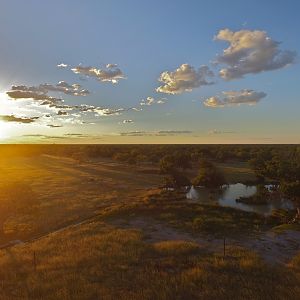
x=149, y=71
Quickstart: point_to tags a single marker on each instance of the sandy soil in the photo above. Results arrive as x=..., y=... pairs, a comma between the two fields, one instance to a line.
x=272, y=247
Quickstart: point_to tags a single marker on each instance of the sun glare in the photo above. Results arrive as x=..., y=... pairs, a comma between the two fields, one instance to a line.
x=3, y=131
x=4, y=126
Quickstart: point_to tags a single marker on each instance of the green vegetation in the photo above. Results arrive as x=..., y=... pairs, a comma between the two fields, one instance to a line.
x=209, y=176
x=193, y=217
x=261, y=196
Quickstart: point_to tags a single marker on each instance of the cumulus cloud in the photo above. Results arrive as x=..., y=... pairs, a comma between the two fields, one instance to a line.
x=108, y=111
x=63, y=87
x=235, y=98
x=184, y=79
x=62, y=65
x=251, y=52
x=111, y=73
x=12, y=118
x=40, y=92
x=150, y=101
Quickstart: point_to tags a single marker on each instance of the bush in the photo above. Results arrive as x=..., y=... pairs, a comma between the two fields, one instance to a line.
x=209, y=176
x=176, y=180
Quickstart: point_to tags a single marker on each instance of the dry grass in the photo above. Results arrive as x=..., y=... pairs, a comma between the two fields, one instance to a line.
x=237, y=172
x=67, y=191
x=97, y=261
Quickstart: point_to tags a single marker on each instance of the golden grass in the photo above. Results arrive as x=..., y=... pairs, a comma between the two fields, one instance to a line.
x=97, y=261
x=176, y=248
x=67, y=191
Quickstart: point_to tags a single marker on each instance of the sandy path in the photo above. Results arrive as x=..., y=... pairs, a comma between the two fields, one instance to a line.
x=272, y=247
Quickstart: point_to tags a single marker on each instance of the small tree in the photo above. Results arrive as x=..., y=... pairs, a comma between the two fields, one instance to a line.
x=176, y=180
x=166, y=164
x=209, y=176
x=292, y=190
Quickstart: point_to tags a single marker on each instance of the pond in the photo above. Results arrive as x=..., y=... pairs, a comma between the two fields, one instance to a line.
x=228, y=194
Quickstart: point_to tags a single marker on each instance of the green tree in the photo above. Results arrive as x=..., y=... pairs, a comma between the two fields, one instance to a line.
x=209, y=176
x=176, y=180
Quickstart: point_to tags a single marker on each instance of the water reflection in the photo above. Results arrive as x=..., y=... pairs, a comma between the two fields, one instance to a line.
x=228, y=194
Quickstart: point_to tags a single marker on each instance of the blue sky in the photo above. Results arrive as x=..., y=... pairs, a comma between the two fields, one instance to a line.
x=145, y=39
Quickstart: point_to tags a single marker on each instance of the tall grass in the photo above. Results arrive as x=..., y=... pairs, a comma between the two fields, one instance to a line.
x=97, y=261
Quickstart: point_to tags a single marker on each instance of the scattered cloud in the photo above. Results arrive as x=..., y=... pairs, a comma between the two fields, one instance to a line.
x=128, y=121
x=76, y=135
x=184, y=79
x=150, y=101
x=62, y=113
x=251, y=52
x=235, y=98
x=63, y=87
x=108, y=111
x=111, y=73
x=17, y=94
x=54, y=126
x=136, y=109
x=216, y=131
x=41, y=92
x=62, y=65
x=12, y=118
x=174, y=132
x=156, y=133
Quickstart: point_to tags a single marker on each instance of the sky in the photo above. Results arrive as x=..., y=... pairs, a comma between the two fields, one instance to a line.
x=154, y=71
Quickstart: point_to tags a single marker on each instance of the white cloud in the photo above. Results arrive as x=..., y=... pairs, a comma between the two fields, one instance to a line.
x=68, y=89
x=184, y=79
x=108, y=111
x=150, y=101
x=235, y=98
x=111, y=73
x=62, y=65
x=251, y=52
x=127, y=121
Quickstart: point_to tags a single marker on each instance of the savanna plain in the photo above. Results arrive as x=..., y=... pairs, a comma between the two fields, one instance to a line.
x=149, y=222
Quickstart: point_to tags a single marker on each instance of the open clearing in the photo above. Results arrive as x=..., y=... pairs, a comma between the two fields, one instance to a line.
x=68, y=190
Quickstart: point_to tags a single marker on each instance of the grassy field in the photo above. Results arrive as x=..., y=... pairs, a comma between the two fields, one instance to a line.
x=68, y=191
x=100, y=261
x=237, y=172
x=104, y=230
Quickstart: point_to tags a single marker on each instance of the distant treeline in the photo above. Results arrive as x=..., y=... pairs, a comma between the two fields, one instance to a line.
x=280, y=163
x=153, y=153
